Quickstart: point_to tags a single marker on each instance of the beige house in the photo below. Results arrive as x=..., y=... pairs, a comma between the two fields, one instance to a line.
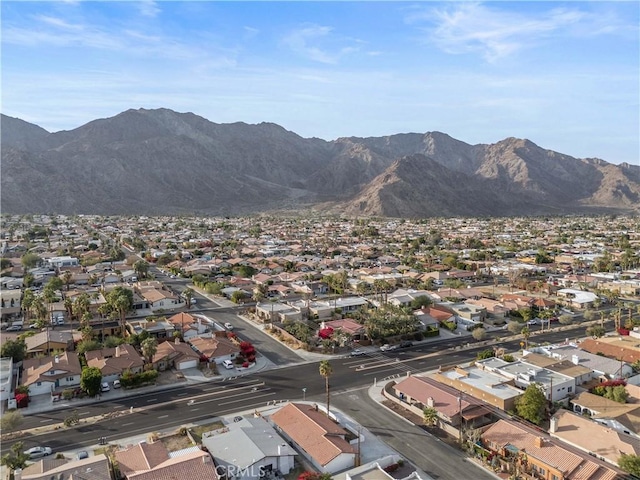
x=113, y=362
x=45, y=375
x=152, y=461
x=316, y=436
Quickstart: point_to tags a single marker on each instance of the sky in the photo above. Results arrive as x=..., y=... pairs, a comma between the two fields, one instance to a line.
x=564, y=75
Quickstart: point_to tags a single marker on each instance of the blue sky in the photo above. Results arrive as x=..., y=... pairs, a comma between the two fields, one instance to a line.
x=565, y=75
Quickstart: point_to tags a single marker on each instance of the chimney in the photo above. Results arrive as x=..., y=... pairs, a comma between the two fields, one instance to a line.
x=575, y=359
x=56, y=359
x=430, y=402
x=177, y=341
x=553, y=425
x=282, y=448
x=539, y=442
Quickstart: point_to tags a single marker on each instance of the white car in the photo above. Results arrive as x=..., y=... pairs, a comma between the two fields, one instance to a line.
x=356, y=353
x=228, y=326
x=105, y=387
x=386, y=347
x=228, y=364
x=37, y=452
x=116, y=384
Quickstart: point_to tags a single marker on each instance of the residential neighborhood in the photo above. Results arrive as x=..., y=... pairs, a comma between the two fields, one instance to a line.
x=106, y=306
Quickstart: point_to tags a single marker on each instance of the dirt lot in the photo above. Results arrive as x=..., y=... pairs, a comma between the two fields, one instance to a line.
x=179, y=441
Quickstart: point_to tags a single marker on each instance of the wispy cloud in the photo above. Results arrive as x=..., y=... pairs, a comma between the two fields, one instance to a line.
x=491, y=32
x=317, y=43
x=149, y=8
x=58, y=23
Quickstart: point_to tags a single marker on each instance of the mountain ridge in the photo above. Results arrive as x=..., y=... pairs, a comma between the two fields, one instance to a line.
x=163, y=162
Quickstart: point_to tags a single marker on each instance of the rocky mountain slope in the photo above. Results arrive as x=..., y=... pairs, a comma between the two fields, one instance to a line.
x=162, y=162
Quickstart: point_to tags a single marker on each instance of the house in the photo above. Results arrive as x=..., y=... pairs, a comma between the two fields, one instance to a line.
x=592, y=437
x=113, y=362
x=622, y=417
x=249, y=448
x=48, y=341
x=6, y=378
x=316, y=436
x=44, y=375
x=556, y=386
x=175, y=354
x=152, y=461
x=521, y=449
x=485, y=385
x=578, y=298
x=453, y=408
x=217, y=349
x=160, y=298
x=352, y=330
x=96, y=467
x=188, y=325
x=159, y=328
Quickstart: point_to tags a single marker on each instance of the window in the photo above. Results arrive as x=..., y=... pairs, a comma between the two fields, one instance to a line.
x=570, y=389
x=554, y=477
x=542, y=471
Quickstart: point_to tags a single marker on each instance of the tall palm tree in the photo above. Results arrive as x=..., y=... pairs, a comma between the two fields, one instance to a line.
x=325, y=371
x=67, y=276
x=188, y=295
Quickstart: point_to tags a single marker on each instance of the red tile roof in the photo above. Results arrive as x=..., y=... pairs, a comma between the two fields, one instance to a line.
x=313, y=431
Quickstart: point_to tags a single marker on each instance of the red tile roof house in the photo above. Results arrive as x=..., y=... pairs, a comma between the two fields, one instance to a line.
x=591, y=437
x=44, y=375
x=175, y=354
x=518, y=447
x=318, y=438
x=152, y=461
x=216, y=349
x=113, y=362
x=453, y=408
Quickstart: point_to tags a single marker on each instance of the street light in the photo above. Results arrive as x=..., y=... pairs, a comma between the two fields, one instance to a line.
x=304, y=394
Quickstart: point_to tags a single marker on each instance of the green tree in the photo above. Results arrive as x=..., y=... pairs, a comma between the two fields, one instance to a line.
x=10, y=420
x=141, y=268
x=16, y=458
x=90, y=380
x=67, y=276
x=514, y=327
x=237, y=296
x=531, y=405
x=630, y=464
x=595, y=331
x=5, y=263
x=479, y=333
x=565, y=319
x=16, y=349
x=120, y=301
x=326, y=370
x=149, y=348
x=87, y=345
x=420, y=302
x=430, y=416
x=29, y=260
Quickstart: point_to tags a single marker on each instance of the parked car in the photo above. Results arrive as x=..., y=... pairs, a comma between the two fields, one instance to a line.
x=533, y=321
x=38, y=452
x=356, y=353
x=228, y=326
x=33, y=325
x=105, y=387
x=116, y=384
x=406, y=344
x=82, y=454
x=14, y=328
x=228, y=364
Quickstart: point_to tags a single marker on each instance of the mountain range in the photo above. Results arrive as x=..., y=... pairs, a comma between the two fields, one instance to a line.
x=157, y=162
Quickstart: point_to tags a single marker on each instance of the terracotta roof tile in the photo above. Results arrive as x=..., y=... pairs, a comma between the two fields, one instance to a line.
x=313, y=431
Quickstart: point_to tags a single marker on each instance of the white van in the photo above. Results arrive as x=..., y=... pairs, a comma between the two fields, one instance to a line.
x=228, y=364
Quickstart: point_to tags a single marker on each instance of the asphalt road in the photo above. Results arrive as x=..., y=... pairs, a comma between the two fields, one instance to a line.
x=168, y=408
x=428, y=453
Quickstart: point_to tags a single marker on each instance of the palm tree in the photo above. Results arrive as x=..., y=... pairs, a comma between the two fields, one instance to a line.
x=188, y=295
x=149, y=348
x=430, y=416
x=67, y=276
x=141, y=268
x=325, y=371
